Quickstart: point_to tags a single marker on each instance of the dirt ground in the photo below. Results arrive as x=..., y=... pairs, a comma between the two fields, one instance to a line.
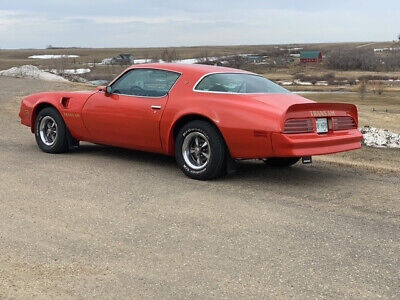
x=105, y=222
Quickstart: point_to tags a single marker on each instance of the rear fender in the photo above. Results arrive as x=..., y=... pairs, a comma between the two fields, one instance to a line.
x=168, y=128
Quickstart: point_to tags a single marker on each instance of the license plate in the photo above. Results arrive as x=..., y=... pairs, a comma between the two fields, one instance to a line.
x=322, y=125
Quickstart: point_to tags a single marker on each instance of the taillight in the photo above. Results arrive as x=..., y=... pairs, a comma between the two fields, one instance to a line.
x=343, y=123
x=299, y=126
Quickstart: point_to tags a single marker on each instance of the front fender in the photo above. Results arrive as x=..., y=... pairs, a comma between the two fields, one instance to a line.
x=68, y=104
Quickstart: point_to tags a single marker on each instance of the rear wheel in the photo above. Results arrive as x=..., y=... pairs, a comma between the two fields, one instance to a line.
x=282, y=162
x=200, y=150
x=50, y=131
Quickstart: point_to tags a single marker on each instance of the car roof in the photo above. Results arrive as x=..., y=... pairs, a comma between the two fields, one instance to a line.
x=197, y=69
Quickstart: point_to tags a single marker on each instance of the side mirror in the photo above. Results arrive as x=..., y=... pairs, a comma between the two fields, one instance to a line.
x=108, y=91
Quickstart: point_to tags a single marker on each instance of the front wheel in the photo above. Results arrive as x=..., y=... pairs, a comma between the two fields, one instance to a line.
x=282, y=162
x=50, y=131
x=200, y=150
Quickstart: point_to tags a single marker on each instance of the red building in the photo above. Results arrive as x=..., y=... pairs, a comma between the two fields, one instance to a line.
x=310, y=56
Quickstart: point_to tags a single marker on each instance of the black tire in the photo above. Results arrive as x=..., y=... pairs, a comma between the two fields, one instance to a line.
x=60, y=142
x=215, y=164
x=281, y=162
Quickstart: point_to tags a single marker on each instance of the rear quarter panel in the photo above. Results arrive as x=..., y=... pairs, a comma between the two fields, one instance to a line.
x=245, y=123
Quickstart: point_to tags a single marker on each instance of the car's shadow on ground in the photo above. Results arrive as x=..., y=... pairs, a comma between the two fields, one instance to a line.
x=126, y=154
x=318, y=182
x=247, y=170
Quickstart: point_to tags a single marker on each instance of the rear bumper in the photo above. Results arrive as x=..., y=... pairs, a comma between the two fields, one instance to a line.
x=290, y=145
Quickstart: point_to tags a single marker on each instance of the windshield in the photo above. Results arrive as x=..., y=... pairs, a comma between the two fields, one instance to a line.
x=238, y=83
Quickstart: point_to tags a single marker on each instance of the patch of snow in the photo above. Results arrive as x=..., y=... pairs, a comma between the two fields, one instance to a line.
x=246, y=54
x=285, y=83
x=29, y=71
x=99, y=82
x=51, y=56
x=187, y=61
x=142, y=60
x=365, y=45
x=386, y=49
x=298, y=82
x=322, y=83
x=324, y=92
x=106, y=61
x=75, y=78
x=212, y=58
x=380, y=138
x=70, y=71
x=180, y=61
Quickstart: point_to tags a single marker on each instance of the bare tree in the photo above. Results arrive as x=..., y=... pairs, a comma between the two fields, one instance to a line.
x=379, y=88
x=353, y=59
x=146, y=56
x=203, y=57
x=362, y=89
x=391, y=61
x=237, y=62
x=169, y=55
x=155, y=58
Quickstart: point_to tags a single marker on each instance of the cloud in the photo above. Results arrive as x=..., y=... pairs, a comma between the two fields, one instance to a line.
x=146, y=20
x=12, y=17
x=132, y=23
x=7, y=13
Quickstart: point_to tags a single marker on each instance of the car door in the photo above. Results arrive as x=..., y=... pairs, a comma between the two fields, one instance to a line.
x=130, y=115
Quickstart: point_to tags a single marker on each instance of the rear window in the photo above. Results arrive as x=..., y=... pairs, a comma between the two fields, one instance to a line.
x=238, y=83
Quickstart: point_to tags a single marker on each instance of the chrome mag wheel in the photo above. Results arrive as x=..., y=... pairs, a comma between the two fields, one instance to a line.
x=48, y=131
x=196, y=150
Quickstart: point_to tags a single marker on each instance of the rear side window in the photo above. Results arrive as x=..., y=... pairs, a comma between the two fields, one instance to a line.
x=145, y=83
x=239, y=83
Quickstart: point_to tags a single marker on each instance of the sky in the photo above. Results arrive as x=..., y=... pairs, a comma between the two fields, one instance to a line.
x=164, y=23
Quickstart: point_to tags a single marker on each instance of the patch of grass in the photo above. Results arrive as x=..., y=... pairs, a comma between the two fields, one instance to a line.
x=382, y=111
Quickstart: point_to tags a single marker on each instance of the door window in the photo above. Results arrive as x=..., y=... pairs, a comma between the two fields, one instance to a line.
x=145, y=83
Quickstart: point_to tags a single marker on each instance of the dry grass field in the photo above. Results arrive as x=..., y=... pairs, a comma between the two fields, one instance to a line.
x=381, y=111
x=11, y=58
x=89, y=57
x=17, y=57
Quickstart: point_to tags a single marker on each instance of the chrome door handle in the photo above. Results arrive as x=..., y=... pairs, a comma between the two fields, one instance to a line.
x=156, y=107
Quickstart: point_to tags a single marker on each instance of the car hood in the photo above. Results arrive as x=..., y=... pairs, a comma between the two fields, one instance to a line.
x=49, y=96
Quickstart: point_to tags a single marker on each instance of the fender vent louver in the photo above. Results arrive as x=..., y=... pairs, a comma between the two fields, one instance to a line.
x=65, y=102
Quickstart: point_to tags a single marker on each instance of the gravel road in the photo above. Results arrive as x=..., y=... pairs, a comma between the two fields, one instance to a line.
x=112, y=223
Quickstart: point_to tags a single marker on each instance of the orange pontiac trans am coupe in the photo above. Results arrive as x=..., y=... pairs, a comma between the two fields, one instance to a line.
x=205, y=116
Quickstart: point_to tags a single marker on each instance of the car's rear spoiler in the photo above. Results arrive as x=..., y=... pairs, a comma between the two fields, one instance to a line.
x=320, y=110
